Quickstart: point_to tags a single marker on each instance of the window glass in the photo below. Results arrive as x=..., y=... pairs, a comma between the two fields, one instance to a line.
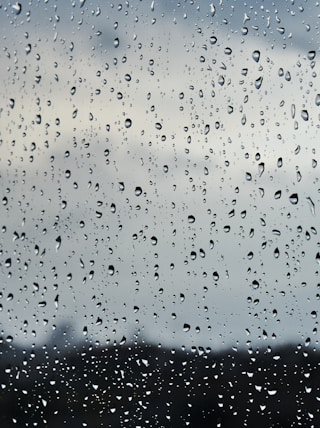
x=159, y=220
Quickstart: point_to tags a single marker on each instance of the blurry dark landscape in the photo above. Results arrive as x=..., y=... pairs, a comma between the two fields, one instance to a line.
x=146, y=385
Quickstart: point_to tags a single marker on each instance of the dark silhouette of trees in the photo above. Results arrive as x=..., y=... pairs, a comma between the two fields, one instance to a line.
x=145, y=385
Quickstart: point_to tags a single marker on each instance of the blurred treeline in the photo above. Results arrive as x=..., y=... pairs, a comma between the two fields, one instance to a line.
x=150, y=386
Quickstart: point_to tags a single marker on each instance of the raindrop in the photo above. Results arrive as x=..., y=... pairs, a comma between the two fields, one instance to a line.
x=154, y=240
x=256, y=55
x=58, y=243
x=276, y=253
x=138, y=191
x=111, y=270
x=206, y=129
x=128, y=123
x=317, y=100
x=294, y=198
x=258, y=82
x=191, y=219
x=215, y=276
x=17, y=7
x=116, y=42
x=213, y=40
x=255, y=284
x=186, y=327
x=212, y=9
x=305, y=115
x=311, y=205
x=277, y=194
x=311, y=55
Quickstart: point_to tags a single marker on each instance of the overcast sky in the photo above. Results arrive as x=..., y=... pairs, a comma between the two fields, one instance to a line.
x=150, y=158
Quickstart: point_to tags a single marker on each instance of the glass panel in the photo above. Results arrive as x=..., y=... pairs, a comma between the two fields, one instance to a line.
x=160, y=187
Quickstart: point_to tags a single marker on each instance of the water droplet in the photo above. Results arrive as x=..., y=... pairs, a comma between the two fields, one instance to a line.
x=17, y=7
x=158, y=126
x=213, y=40
x=305, y=115
x=58, y=243
x=138, y=191
x=82, y=2
x=294, y=199
x=215, y=276
x=154, y=240
x=11, y=103
x=276, y=253
x=212, y=9
x=255, y=284
x=311, y=55
x=128, y=123
x=206, y=129
x=277, y=194
x=317, y=101
x=191, y=219
x=116, y=42
x=111, y=270
x=311, y=205
x=314, y=314
x=258, y=82
x=256, y=55
x=186, y=327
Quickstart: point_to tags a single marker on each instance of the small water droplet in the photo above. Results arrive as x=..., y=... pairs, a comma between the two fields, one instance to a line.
x=213, y=40
x=215, y=276
x=206, y=129
x=305, y=115
x=17, y=7
x=258, y=82
x=128, y=123
x=294, y=199
x=186, y=327
x=311, y=55
x=256, y=55
x=317, y=101
x=311, y=205
x=255, y=284
x=138, y=191
x=277, y=194
x=212, y=9
x=111, y=270
x=191, y=219
x=58, y=243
